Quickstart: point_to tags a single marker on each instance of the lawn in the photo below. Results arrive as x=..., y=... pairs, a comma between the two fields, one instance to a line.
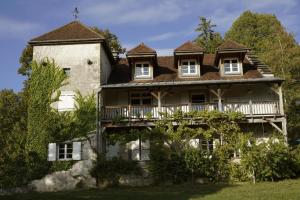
x=289, y=190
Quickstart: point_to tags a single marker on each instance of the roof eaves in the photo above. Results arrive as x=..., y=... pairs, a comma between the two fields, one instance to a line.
x=199, y=82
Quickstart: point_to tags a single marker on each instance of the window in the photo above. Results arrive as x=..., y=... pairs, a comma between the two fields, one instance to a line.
x=231, y=66
x=139, y=150
x=66, y=101
x=207, y=145
x=67, y=71
x=65, y=151
x=142, y=70
x=140, y=98
x=188, y=67
x=198, y=98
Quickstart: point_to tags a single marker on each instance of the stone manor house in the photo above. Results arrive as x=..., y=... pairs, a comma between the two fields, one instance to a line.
x=137, y=88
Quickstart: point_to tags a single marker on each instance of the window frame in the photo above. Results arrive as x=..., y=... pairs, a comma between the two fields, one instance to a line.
x=196, y=93
x=189, y=67
x=65, y=149
x=142, y=70
x=231, y=72
x=68, y=74
x=140, y=97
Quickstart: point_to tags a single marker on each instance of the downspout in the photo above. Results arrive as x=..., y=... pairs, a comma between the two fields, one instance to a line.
x=98, y=124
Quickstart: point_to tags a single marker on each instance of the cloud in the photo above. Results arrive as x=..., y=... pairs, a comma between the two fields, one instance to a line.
x=11, y=28
x=134, y=11
x=170, y=35
x=164, y=52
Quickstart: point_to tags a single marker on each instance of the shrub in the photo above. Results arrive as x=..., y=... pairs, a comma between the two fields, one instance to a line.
x=111, y=170
x=61, y=165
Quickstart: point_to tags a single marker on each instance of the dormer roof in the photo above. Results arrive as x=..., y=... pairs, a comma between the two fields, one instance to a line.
x=72, y=32
x=141, y=49
x=230, y=45
x=189, y=47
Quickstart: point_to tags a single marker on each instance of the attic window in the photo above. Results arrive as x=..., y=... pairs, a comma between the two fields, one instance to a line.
x=231, y=66
x=142, y=70
x=188, y=67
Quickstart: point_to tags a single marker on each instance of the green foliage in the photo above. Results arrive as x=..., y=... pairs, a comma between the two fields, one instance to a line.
x=207, y=37
x=277, y=48
x=271, y=160
x=61, y=165
x=25, y=61
x=111, y=170
x=46, y=78
x=198, y=162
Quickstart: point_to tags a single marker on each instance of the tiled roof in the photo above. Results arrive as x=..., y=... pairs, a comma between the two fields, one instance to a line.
x=165, y=71
x=74, y=31
x=230, y=45
x=189, y=47
x=141, y=49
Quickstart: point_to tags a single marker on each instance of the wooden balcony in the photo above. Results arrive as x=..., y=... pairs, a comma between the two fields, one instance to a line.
x=128, y=112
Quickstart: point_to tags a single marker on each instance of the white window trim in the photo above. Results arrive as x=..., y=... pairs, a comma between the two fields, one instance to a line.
x=65, y=151
x=142, y=69
x=189, y=67
x=232, y=72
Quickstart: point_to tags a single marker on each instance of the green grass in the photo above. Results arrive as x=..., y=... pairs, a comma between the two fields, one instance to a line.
x=289, y=190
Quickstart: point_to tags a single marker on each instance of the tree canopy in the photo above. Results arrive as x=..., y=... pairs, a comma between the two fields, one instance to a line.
x=208, y=38
x=277, y=48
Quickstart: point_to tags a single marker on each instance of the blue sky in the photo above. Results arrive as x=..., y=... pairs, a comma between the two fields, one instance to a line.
x=162, y=24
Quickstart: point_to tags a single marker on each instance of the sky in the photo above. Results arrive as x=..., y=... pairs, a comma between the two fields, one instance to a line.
x=161, y=24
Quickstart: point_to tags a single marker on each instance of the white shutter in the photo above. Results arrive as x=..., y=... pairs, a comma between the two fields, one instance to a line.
x=51, y=151
x=76, y=155
x=66, y=101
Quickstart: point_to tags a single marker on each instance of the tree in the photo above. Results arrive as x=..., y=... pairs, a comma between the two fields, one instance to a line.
x=277, y=48
x=207, y=37
x=111, y=39
x=25, y=61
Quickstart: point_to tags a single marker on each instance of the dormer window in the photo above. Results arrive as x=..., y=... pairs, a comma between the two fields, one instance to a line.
x=142, y=70
x=188, y=67
x=231, y=66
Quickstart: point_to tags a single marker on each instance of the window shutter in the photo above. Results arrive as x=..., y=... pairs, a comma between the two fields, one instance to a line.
x=76, y=155
x=51, y=151
x=66, y=101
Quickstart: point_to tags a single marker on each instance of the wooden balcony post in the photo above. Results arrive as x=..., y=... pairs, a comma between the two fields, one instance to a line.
x=281, y=107
x=278, y=90
x=250, y=107
x=219, y=100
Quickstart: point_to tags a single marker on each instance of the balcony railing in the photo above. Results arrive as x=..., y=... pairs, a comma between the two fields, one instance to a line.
x=255, y=108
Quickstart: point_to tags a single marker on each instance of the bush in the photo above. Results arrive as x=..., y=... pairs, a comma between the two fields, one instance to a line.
x=61, y=165
x=159, y=162
x=111, y=170
x=198, y=162
x=269, y=161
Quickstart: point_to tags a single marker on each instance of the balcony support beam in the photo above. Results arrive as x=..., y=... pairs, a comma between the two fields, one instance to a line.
x=159, y=95
x=219, y=93
x=278, y=90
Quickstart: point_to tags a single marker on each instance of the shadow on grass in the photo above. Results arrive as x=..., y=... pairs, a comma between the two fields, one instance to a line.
x=172, y=192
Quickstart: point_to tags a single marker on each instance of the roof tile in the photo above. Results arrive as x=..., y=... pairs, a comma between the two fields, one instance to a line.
x=189, y=47
x=73, y=31
x=229, y=45
x=141, y=49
